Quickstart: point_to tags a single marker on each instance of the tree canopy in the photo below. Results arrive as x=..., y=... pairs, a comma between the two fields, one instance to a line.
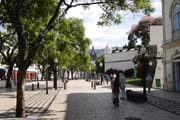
x=142, y=30
x=32, y=20
x=67, y=43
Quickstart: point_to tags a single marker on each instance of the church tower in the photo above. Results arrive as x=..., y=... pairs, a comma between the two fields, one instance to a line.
x=93, y=54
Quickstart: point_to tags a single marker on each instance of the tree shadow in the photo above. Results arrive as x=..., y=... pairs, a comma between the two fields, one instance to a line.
x=8, y=95
x=91, y=106
x=7, y=90
x=36, y=105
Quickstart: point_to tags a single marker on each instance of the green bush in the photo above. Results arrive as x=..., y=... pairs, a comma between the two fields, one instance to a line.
x=129, y=72
x=136, y=81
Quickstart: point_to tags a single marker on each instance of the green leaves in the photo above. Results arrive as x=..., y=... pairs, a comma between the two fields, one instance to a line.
x=67, y=42
x=112, y=10
x=144, y=6
x=142, y=29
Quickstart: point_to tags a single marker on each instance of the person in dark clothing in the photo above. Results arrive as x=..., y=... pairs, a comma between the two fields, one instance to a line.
x=116, y=90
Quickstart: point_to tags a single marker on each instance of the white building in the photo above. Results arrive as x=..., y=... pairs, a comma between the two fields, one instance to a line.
x=171, y=44
x=123, y=60
x=119, y=60
x=156, y=37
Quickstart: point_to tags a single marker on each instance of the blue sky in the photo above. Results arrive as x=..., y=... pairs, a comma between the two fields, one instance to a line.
x=115, y=35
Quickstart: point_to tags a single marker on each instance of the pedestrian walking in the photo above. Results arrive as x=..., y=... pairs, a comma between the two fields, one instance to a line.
x=107, y=78
x=149, y=82
x=112, y=79
x=122, y=80
x=102, y=78
x=115, y=88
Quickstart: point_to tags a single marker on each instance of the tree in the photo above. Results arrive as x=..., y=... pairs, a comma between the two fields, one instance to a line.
x=80, y=45
x=142, y=30
x=8, y=51
x=33, y=19
x=67, y=43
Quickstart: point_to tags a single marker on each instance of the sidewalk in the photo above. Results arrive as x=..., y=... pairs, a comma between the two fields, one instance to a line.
x=170, y=95
x=36, y=102
x=81, y=102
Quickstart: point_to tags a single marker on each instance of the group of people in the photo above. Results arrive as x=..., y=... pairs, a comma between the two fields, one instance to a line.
x=118, y=85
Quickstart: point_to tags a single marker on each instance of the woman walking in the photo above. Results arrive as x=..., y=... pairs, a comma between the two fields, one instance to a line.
x=115, y=88
x=122, y=80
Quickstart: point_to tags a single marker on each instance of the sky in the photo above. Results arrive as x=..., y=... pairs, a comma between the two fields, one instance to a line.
x=115, y=35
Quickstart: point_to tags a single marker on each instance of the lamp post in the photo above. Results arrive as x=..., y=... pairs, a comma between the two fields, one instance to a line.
x=47, y=71
x=14, y=67
x=47, y=79
x=101, y=74
x=144, y=61
x=55, y=73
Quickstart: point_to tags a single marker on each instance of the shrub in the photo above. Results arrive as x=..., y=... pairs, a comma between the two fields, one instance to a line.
x=129, y=73
x=136, y=81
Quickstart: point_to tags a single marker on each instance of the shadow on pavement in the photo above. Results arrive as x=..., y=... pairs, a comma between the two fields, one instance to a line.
x=91, y=106
x=98, y=106
x=7, y=90
x=8, y=95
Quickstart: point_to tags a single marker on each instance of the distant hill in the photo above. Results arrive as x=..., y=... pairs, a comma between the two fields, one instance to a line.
x=99, y=52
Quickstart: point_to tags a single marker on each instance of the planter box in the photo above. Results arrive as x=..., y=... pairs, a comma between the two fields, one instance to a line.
x=135, y=96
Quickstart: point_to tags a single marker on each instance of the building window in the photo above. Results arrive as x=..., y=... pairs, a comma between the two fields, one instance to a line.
x=176, y=18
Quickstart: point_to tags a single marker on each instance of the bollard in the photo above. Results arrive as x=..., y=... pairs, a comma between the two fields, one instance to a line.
x=94, y=85
x=37, y=85
x=32, y=87
x=64, y=85
x=10, y=85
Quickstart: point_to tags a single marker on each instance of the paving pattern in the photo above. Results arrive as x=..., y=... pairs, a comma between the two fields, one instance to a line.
x=35, y=105
x=168, y=105
x=81, y=102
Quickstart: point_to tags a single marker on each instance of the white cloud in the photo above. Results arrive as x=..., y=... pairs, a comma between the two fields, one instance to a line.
x=114, y=35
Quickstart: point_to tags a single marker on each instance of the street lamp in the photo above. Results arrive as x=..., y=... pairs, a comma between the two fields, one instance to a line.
x=47, y=79
x=89, y=73
x=144, y=61
x=101, y=72
x=55, y=75
x=14, y=67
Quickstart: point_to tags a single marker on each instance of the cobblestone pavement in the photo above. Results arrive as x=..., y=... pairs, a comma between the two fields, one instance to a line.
x=168, y=105
x=81, y=102
x=36, y=102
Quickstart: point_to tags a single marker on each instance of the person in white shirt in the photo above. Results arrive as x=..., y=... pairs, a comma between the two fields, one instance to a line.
x=122, y=81
x=149, y=82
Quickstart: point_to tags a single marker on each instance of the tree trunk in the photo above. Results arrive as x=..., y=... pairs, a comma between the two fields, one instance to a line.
x=72, y=74
x=84, y=75
x=8, y=82
x=55, y=77
x=68, y=74
x=42, y=75
x=63, y=74
x=20, y=103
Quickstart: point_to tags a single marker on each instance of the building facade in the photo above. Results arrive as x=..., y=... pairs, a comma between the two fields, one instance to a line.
x=31, y=73
x=171, y=44
x=156, y=38
x=119, y=60
x=124, y=60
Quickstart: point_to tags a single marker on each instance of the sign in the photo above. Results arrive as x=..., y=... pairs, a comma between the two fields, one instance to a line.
x=158, y=83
